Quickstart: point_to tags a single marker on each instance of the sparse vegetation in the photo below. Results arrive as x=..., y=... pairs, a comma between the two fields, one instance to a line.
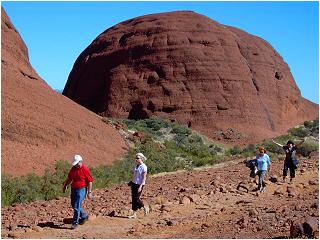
x=32, y=187
x=308, y=147
x=168, y=146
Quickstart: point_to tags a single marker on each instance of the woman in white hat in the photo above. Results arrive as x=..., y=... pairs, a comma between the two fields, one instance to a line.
x=137, y=184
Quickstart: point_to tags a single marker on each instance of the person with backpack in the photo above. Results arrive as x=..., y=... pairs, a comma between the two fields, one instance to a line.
x=263, y=164
x=137, y=185
x=290, y=162
x=81, y=179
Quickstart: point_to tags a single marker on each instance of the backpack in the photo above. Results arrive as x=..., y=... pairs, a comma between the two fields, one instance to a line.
x=252, y=165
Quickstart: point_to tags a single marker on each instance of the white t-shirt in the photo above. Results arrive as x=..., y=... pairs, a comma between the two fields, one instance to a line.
x=138, y=171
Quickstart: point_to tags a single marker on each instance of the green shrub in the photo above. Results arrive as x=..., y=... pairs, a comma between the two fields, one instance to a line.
x=20, y=189
x=180, y=130
x=215, y=150
x=271, y=147
x=52, y=185
x=150, y=126
x=311, y=124
x=236, y=150
x=249, y=150
x=308, y=147
x=100, y=175
x=300, y=131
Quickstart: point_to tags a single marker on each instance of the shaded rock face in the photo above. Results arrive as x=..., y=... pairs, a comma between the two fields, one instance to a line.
x=187, y=67
x=40, y=126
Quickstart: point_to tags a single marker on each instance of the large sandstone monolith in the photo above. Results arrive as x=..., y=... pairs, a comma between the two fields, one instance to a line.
x=40, y=126
x=220, y=80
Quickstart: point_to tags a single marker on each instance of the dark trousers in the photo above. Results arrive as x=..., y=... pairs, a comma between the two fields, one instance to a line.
x=136, y=201
x=289, y=166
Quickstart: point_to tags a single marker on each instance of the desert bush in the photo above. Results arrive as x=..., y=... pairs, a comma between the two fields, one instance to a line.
x=32, y=187
x=161, y=160
x=308, y=147
x=20, y=189
x=150, y=126
x=271, y=147
x=313, y=127
x=236, y=150
x=312, y=124
x=51, y=186
x=101, y=176
x=203, y=161
x=180, y=130
x=249, y=150
x=215, y=150
x=300, y=131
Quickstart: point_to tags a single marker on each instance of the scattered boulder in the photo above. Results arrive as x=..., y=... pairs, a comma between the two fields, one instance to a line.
x=274, y=179
x=112, y=213
x=311, y=228
x=92, y=217
x=278, y=192
x=313, y=182
x=195, y=198
x=171, y=222
x=243, y=222
x=291, y=191
x=161, y=200
x=185, y=200
x=215, y=183
x=253, y=213
x=242, y=186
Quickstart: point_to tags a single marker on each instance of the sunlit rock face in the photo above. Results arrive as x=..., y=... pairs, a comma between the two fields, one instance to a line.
x=219, y=80
x=40, y=126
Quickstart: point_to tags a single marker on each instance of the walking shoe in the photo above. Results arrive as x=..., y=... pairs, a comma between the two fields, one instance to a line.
x=256, y=189
x=74, y=226
x=146, y=210
x=83, y=220
x=134, y=215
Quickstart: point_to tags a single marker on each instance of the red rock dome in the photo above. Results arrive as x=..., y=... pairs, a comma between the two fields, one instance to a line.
x=40, y=126
x=187, y=67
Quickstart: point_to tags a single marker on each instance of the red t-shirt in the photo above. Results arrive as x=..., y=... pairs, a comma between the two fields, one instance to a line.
x=80, y=177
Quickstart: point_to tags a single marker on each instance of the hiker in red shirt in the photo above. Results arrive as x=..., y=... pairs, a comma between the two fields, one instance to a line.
x=81, y=179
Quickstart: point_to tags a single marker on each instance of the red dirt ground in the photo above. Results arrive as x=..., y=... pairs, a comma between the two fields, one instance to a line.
x=202, y=203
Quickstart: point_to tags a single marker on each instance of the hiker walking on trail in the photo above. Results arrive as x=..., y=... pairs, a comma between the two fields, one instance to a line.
x=262, y=163
x=81, y=179
x=290, y=162
x=137, y=184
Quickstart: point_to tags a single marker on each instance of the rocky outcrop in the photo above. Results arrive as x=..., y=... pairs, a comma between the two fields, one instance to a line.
x=187, y=67
x=40, y=126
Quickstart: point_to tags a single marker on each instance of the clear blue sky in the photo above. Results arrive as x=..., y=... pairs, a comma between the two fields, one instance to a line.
x=57, y=32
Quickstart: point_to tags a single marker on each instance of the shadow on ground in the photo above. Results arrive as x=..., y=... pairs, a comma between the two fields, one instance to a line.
x=57, y=226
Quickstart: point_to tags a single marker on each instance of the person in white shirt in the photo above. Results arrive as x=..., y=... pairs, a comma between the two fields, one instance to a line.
x=137, y=185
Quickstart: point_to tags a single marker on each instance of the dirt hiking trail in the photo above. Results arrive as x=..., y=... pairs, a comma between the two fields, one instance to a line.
x=204, y=203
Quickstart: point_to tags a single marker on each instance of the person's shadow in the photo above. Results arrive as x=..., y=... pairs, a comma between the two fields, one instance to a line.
x=57, y=226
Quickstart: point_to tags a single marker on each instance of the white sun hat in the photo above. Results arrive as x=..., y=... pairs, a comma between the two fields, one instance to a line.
x=141, y=156
x=76, y=160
